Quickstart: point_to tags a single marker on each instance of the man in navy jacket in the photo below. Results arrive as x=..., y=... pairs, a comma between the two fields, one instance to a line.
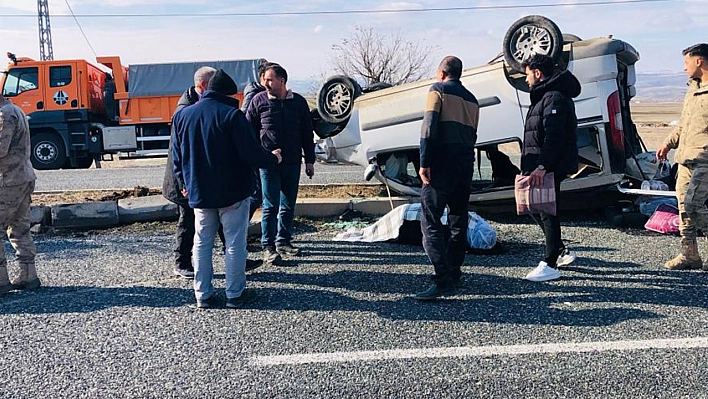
x=213, y=154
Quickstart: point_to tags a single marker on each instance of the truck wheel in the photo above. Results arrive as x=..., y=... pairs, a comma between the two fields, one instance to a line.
x=533, y=34
x=84, y=163
x=335, y=98
x=48, y=151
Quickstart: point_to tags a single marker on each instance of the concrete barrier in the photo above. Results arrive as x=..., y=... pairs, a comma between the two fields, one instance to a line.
x=378, y=206
x=86, y=215
x=146, y=209
x=40, y=214
x=157, y=208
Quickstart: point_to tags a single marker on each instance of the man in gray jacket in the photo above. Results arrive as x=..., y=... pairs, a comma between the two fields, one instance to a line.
x=16, y=186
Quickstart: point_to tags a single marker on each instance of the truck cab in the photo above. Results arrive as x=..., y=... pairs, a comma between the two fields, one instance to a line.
x=61, y=100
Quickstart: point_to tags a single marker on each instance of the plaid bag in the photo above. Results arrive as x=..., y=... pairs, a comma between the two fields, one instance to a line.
x=535, y=199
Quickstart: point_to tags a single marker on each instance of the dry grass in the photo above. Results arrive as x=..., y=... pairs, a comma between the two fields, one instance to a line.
x=313, y=191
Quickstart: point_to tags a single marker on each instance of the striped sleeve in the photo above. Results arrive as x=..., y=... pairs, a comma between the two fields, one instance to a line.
x=429, y=130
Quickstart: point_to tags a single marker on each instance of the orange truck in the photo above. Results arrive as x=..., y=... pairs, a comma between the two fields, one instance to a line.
x=79, y=111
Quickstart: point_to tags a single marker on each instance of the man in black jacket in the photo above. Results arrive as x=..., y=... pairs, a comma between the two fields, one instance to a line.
x=282, y=119
x=550, y=145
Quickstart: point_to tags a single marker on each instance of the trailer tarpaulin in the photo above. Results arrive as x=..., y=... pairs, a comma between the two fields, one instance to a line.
x=174, y=78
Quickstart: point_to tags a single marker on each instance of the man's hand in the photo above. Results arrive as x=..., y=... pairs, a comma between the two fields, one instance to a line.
x=310, y=170
x=185, y=193
x=276, y=152
x=424, y=175
x=536, y=177
x=662, y=153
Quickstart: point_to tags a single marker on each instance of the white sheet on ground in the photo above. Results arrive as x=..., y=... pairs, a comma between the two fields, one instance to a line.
x=480, y=235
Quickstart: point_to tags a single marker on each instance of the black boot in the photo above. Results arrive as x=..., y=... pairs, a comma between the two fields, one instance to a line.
x=436, y=291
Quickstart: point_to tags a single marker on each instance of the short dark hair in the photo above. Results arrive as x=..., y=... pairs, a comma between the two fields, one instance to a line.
x=541, y=62
x=697, y=50
x=452, y=66
x=264, y=65
x=278, y=70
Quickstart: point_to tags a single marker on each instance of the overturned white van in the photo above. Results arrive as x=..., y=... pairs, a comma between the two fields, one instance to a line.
x=379, y=128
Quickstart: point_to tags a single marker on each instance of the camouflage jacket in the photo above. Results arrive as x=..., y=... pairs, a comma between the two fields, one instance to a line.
x=690, y=139
x=15, y=165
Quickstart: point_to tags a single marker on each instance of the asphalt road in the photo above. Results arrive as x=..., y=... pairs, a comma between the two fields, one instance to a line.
x=112, y=322
x=152, y=175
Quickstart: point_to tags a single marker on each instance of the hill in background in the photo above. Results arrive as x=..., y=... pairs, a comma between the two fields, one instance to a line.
x=660, y=87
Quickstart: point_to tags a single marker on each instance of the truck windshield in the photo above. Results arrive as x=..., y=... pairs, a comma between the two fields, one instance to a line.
x=19, y=80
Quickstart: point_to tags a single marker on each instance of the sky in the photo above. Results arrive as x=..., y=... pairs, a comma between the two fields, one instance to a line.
x=303, y=43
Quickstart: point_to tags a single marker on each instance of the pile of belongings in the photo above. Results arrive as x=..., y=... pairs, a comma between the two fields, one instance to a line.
x=403, y=223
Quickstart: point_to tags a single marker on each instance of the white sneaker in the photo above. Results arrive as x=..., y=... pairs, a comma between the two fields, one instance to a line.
x=543, y=272
x=566, y=257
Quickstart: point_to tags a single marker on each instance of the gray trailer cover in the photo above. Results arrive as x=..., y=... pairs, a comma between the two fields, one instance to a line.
x=174, y=78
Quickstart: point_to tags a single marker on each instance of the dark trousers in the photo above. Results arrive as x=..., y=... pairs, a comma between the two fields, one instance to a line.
x=184, y=238
x=550, y=225
x=445, y=247
x=279, y=185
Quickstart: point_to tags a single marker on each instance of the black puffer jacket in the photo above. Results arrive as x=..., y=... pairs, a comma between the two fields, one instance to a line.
x=550, y=137
x=249, y=92
x=170, y=187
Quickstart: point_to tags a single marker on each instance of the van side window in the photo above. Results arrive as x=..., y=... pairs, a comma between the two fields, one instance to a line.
x=19, y=80
x=59, y=76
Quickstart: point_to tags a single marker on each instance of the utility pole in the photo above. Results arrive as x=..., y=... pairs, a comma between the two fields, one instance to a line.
x=45, y=31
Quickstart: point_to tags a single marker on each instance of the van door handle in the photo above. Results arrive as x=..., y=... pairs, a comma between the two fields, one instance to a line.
x=40, y=104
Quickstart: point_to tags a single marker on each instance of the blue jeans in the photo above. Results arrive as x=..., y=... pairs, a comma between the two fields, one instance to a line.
x=234, y=218
x=279, y=184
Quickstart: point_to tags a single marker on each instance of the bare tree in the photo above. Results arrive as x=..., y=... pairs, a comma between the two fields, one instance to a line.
x=375, y=57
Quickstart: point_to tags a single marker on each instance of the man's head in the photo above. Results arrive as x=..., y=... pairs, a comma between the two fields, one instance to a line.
x=538, y=68
x=202, y=78
x=450, y=68
x=274, y=80
x=222, y=83
x=262, y=68
x=696, y=61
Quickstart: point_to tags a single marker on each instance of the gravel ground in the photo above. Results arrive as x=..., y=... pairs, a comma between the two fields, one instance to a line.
x=112, y=322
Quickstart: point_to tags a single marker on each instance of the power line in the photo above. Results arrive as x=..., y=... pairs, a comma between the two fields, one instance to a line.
x=385, y=11
x=81, y=29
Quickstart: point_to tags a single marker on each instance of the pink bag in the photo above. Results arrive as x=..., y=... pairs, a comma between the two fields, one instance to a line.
x=537, y=199
x=664, y=220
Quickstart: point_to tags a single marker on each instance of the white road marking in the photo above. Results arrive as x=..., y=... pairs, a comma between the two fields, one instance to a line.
x=479, y=351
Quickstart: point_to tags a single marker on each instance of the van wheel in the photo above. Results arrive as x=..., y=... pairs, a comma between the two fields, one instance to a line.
x=48, y=151
x=335, y=98
x=533, y=34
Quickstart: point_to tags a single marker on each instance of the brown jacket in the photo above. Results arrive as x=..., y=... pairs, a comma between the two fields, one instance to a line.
x=690, y=139
x=15, y=165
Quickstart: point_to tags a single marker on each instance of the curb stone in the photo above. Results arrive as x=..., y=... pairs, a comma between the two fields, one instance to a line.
x=92, y=215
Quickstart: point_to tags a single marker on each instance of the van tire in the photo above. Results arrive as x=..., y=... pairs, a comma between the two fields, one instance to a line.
x=533, y=34
x=48, y=151
x=335, y=98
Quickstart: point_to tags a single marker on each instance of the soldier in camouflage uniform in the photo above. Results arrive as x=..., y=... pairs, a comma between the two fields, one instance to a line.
x=16, y=186
x=691, y=143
